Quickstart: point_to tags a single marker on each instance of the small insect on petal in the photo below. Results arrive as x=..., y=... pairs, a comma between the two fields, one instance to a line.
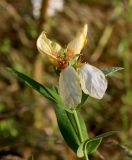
x=76, y=45
x=93, y=81
x=69, y=87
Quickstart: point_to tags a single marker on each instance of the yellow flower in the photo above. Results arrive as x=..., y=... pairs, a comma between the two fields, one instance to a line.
x=59, y=56
x=74, y=80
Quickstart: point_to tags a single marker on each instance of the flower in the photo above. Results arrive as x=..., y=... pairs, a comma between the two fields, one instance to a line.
x=74, y=78
x=57, y=55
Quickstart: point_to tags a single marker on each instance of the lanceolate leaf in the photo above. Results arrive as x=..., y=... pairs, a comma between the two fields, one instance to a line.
x=45, y=91
x=111, y=70
x=68, y=129
x=83, y=126
x=90, y=145
x=106, y=134
x=65, y=119
x=33, y=84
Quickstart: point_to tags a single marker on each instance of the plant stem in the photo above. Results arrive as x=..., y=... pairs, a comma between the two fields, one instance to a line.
x=86, y=155
x=79, y=131
x=78, y=126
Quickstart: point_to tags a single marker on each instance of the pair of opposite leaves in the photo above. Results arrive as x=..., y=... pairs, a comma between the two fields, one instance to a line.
x=73, y=79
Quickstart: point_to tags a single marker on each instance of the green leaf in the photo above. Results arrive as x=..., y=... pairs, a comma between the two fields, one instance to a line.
x=65, y=119
x=83, y=126
x=68, y=129
x=90, y=145
x=106, y=134
x=45, y=91
x=33, y=84
x=67, y=125
x=80, y=150
x=111, y=70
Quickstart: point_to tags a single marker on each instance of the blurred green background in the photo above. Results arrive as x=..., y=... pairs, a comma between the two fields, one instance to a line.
x=27, y=121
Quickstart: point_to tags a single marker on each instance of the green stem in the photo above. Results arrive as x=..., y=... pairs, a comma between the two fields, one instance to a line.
x=78, y=126
x=79, y=131
x=86, y=155
x=85, y=151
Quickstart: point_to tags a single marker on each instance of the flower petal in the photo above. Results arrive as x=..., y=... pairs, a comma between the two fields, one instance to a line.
x=69, y=87
x=44, y=44
x=49, y=48
x=76, y=45
x=55, y=47
x=93, y=81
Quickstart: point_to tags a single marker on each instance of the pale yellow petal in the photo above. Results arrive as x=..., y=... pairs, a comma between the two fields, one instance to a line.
x=93, y=81
x=44, y=44
x=55, y=47
x=49, y=48
x=76, y=45
x=69, y=87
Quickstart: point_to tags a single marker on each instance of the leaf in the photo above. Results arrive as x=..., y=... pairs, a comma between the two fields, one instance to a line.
x=68, y=129
x=83, y=126
x=65, y=119
x=80, y=150
x=33, y=84
x=106, y=134
x=90, y=145
x=111, y=70
x=45, y=91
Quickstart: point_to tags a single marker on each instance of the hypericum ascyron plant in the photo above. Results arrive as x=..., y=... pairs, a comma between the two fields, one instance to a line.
x=77, y=81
